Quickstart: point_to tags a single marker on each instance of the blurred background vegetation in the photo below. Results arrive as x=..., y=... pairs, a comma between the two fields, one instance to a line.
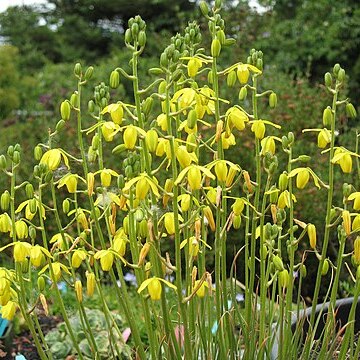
x=301, y=40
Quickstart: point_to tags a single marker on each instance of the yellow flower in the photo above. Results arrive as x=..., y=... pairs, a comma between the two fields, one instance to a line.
x=77, y=257
x=356, y=197
x=52, y=158
x=21, y=251
x=120, y=241
x=258, y=128
x=324, y=138
x=146, y=183
x=344, y=159
x=109, y=130
x=357, y=250
x=70, y=180
x=90, y=283
x=105, y=176
x=130, y=137
x=236, y=118
x=161, y=120
x=268, y=145
x=154, y=287
x=243, y=73
x=193, y=66
x=106, y=259
x=36, y=255
x=78, y=290
x=227, y=141
x=116, y=112
x=311, y=230
x=302, y=178
x=169, y=223
x=201, y=292
x=5, y=223
x=8, y=311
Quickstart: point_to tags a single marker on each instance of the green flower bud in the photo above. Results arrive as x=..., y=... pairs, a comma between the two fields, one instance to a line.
x=2, y=162
x=291, y=137
x=5, y=200
x=74, y=99
x=259, y=64
x=325, y=267
x=274, y=195
x=41, y=283
x=29, y=191
x=89, y=73
x=10, y=151
x=218, y=4
x=341, y=75
x=128, y=36
x=272, y=100
x=210, y=77
x=60, y=125
x=358, y=273
x=32, y=232
x=284, y=278
x=278, y=263
x=336, y=69
x=147, y=105
x=327, y=117
x=16, y=157
x=77, y=69
x=134, y=29
x=142, y=38
x=350, y=111
x=191, y=119
x=65, y=110
x=328, y=79
x=283, y=182
x=215, y=48
x=38, y=153
x=204, y=8
x=114, y=79
x=66, y=206
x=303, y=271
x=231, y=78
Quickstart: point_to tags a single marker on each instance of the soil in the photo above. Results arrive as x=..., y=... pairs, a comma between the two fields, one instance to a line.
x=23, y=343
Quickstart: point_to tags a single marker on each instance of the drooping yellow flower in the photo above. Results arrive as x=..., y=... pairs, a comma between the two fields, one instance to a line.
x=343, y=157
x=116, y=112
x=70, y=181
x=109, y=130
x=21, y=251
x=193, y=66
x=154, y=287
x=8, y=311
x=236, y=118
x=52, y=158
x=106, y=259
x=77, y=257
x=356, y=197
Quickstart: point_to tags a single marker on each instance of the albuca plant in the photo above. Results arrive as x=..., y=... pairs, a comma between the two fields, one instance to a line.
x=167, y=206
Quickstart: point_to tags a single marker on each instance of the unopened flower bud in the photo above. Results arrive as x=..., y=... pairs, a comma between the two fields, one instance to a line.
x=346, y=221
x=130, y=137
x=357, y=250
x=325, y=267
x=90, y=283
x=65, y=110
x=311, y=230
x=215, y=48
x=221, y=170
x=327, y=117
x=5, y=200
x=114, y=79
x=350, y=111
x=169, y=223
x=272, y=100
x=278, y=263
x=194, y=178
x=78, y=291
x=328, y=79
x=231, y=78
x=284, y=278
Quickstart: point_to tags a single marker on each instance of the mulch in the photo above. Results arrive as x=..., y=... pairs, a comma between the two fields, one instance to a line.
x=23, y=343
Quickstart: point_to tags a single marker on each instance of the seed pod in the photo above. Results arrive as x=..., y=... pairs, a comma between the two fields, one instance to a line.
x=328, y=79
x=350, y=111
x=130, y=137
x=5, y=200
x=114, y=79
x=89, y=73
x=215, y=48
x=311, y=230
x=65, y=110
x=278, y=263
x=272, y=100
x=231, y=78
x=325, y=267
